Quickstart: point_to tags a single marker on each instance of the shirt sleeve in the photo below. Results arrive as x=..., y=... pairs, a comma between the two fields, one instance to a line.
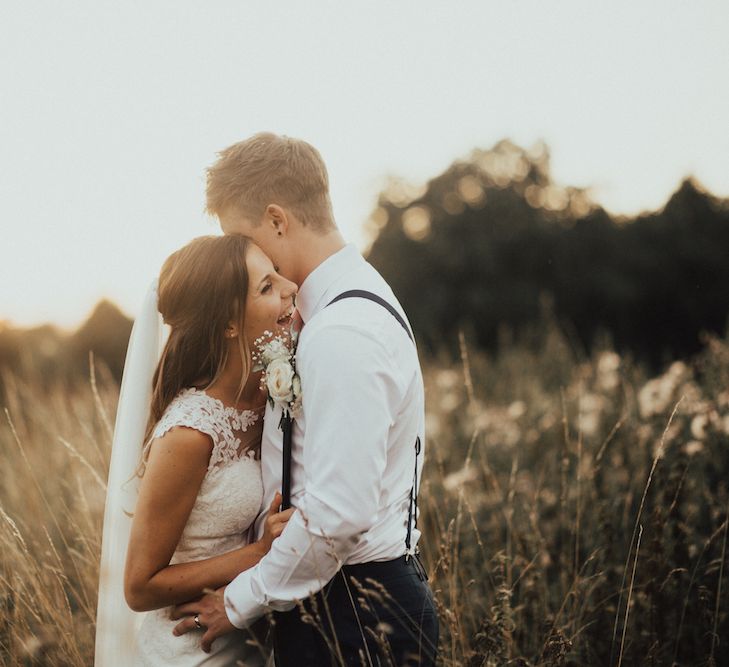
x=350, y=395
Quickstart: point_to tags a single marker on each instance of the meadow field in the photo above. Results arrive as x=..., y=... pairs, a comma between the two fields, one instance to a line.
x=574, y=509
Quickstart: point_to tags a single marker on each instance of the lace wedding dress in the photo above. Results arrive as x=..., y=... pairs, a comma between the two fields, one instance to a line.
x=227, y=504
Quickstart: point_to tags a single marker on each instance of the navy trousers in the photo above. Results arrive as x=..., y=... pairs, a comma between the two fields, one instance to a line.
x=378, y=613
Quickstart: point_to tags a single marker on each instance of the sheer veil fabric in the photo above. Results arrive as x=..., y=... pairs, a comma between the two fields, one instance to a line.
x=116, y=624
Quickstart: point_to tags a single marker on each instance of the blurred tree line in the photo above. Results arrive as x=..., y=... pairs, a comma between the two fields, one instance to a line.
x=45, y=356
x=494, y=247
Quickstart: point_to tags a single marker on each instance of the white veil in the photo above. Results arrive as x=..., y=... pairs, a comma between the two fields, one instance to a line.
x=116, y=624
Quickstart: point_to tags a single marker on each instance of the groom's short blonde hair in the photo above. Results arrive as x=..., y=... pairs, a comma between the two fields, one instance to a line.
x=271, y=169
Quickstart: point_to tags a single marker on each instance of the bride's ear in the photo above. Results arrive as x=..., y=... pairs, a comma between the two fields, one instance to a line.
x=232, y=330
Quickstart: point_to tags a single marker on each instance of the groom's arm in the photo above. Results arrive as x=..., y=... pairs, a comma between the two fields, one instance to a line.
x=349, y=388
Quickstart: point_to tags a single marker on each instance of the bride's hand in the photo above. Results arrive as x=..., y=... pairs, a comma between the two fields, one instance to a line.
x=274, y=522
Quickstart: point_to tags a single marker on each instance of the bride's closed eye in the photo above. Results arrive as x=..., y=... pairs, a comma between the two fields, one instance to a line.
x=269, y=285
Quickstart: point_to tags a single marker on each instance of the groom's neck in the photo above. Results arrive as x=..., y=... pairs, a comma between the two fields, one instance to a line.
x=315, y=249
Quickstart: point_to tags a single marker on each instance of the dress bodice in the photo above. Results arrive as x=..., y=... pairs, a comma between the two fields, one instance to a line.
x=227, y=503
x=230, y=495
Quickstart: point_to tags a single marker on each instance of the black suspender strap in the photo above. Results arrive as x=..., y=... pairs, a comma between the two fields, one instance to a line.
x=362, y=294
x=287, y=426
x=413, y=504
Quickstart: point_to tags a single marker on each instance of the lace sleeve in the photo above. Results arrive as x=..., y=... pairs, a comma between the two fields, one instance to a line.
x=197, y=422
x=192, y=412
x=195, y=409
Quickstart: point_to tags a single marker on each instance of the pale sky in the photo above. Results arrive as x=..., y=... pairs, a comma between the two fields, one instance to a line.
x=110, y=112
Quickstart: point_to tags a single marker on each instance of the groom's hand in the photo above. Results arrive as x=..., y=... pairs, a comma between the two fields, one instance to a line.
x=210, y=612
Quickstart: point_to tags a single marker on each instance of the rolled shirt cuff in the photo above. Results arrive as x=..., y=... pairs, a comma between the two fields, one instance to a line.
x=241, y=607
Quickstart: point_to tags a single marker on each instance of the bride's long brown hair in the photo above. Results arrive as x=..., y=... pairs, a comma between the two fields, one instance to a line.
x=202, y=288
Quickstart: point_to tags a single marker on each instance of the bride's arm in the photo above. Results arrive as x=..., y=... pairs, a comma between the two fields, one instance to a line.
x=175, y=470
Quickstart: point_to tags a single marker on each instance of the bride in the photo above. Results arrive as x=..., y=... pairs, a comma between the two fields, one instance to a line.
x=184, y=524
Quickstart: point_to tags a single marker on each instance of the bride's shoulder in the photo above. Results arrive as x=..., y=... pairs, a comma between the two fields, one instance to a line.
x=190, y=443
x=191, y=408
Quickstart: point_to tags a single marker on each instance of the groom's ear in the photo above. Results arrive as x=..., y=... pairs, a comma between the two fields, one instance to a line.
x=278, y=219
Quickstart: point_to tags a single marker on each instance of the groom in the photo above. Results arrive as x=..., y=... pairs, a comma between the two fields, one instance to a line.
x=344, y=579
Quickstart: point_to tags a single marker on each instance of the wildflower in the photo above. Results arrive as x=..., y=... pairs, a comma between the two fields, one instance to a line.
x=457, y=479
x=590, y=411
x=608, y=366
x=447, y=379
x=698, y=426
x=693, y=447
x=655, y=397
x=516, y=409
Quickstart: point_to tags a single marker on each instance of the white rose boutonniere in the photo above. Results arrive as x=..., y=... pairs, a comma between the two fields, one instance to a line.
x=275, y=355
x=280, y=381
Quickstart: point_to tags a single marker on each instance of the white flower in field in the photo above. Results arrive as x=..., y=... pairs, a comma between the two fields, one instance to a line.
x=608, y=361
x=547, y=421
x=457, y=479
x=483, y=420
x=510, y=434
x=608, y=366
x=516, y=409
x=548, y=497
x=678, y=370
x=693, y=447
x=589, y=424
x=449, y=402
x=384, y=628
x=590, y=413
x=591, y=403
x=279, y=380
x=655, y=397
x=652, y=398
x=698, y=426
x=448, y=379
x=591, y=406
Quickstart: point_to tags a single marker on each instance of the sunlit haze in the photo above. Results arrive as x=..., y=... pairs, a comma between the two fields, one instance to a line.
x=111, y=112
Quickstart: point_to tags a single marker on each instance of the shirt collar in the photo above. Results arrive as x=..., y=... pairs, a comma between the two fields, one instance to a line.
x=310, y=298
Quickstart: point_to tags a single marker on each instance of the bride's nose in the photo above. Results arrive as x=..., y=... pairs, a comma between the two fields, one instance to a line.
x=290, y=289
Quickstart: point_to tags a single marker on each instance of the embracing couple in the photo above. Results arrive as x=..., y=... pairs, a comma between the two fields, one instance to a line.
x=288, y=373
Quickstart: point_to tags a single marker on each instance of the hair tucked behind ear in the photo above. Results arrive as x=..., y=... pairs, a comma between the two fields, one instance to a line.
x=202, y=288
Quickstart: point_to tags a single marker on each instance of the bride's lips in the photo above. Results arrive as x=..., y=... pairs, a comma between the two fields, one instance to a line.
x=286, y=316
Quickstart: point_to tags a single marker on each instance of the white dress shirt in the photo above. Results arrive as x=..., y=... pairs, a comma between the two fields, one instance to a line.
x=353, y=450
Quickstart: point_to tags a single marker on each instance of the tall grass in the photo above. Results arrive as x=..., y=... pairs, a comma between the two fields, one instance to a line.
x=574, y=510
x=55, y=443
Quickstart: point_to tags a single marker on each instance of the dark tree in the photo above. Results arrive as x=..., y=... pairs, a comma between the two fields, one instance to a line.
x=492, y=240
